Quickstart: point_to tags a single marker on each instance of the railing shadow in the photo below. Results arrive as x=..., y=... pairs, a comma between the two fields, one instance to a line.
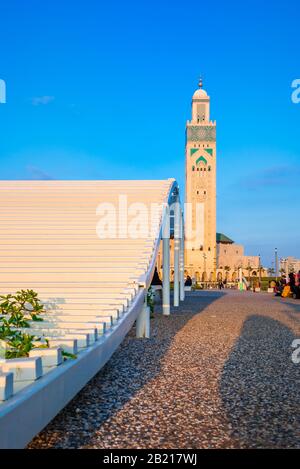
x=260, y=386
x=136, y=362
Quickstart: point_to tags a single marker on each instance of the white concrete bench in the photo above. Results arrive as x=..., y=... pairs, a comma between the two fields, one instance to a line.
x=51, y=357
x=6, y=385
x=25, y=371
x=48, y=243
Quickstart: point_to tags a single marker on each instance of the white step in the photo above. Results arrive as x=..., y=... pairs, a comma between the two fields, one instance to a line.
x=108, y=318
x=77, y=260
x=56, y=319
x=83, y=339
x=84, y=336
x=68, y=345
x=63, y=277
x=97, y=327
x=75, y=341
x=120, y=273
x=94, y=241
x=104, y=308
x=83, y=299
x=112, y=296
x=75, y=287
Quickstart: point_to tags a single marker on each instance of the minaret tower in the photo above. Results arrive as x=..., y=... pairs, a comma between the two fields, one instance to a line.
x=201, y=189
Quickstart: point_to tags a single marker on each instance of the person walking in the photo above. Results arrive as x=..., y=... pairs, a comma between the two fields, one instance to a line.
x=156, y=279
x=292, y=282
x=297, y=279
x=188, y=282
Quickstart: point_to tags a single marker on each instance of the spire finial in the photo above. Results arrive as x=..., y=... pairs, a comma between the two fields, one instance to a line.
x=201, y=82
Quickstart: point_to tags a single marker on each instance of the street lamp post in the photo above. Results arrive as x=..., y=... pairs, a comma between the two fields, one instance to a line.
x=276, y=264
x=249, y=271
x=204, y=258
x=215, y=263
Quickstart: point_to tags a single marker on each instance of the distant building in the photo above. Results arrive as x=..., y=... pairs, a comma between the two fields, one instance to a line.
x=289, y=264
x=230, y=258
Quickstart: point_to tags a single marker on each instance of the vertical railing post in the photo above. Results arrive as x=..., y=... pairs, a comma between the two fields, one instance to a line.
x=143, y=322
x=181, y=257
x=177, y=224
x=166, y=261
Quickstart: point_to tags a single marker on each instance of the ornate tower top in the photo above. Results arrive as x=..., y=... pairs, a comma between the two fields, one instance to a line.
x=200, y=105
x=200, y=93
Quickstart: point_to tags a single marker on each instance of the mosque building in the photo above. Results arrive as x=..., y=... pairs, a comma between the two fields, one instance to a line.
x=209, y=256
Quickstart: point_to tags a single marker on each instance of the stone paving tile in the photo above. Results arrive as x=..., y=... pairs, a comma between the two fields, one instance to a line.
x=216, y=374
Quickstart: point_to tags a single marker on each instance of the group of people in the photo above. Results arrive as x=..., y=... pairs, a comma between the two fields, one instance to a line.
x=189, y=282
x=290, y=286
x=285, y=287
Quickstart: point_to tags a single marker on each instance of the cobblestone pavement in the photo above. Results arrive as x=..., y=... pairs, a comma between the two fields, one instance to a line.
x=218, y=373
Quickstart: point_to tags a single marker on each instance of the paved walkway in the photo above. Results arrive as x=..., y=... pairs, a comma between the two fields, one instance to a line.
x=217, y=374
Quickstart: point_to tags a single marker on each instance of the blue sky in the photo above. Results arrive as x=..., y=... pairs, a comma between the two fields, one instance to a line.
x=103, y=90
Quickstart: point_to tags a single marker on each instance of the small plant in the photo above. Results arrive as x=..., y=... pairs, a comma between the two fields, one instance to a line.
x=150, y=300
x=20, y=344
x=5, y=329
x=21, y=307
x=67, y=355
x=16, y=312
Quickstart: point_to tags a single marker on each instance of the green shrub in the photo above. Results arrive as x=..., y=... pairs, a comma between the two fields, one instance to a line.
x=16, y=311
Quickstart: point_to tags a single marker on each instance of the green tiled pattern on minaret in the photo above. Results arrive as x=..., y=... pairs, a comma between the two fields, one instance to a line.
x=201, y=159
x=203, y=133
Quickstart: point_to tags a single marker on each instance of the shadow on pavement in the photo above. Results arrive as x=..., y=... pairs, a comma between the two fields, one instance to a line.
x=260, y=386
x=135, y=363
